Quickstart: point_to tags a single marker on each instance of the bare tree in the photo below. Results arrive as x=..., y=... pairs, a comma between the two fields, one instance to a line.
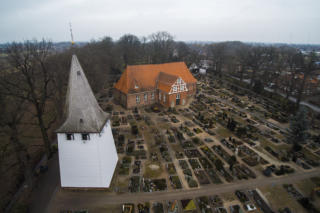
x=256, y=56
x=30, y=80
x=161, y=46
x=243, y=57
x=218, y=54
x=308, y=67
x=14, y=110
x=130, y=47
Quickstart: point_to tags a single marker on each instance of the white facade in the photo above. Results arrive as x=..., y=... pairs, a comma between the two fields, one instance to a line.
x=87, y=163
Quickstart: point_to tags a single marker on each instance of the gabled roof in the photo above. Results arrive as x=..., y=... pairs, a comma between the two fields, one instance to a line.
x=138, y=78
x=83, y=113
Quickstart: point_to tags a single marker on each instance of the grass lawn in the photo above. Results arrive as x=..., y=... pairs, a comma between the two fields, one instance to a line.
x=223, y=132
x=151, y=171
x=278, y=197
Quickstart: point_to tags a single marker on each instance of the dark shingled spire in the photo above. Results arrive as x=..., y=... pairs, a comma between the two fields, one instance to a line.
x=83, y=111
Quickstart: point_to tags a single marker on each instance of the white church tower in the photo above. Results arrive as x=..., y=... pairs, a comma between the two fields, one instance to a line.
x=87, y=153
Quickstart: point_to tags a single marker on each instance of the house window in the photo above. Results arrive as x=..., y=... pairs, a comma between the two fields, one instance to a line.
x=146, y=97
x=70, y=137
x=181, y=87
x=175, y=89
x=137, y=99
x=179, y=80
x=164, y=98
x=178, y=96
x=85, y=137
x=152, y=96
x=159, y=96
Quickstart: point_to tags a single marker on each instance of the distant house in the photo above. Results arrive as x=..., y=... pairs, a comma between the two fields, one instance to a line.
x=87, y=153
x=168, y=84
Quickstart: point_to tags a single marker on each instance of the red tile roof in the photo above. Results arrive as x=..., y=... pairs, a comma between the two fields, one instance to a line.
x=138, y=78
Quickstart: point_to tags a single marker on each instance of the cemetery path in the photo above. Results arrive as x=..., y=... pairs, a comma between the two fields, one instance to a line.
x=63, y=199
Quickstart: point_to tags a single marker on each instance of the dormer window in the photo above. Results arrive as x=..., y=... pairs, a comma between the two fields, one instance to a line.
x=179, y=80
x=136, y=86
x=182, y=87
x=70, y=136
x=85, y=137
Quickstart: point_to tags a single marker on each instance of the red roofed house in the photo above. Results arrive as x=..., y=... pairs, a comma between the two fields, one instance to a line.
x=169, y=84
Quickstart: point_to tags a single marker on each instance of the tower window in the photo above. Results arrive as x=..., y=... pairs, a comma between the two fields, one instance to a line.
x=85, y=137
x=70, y=136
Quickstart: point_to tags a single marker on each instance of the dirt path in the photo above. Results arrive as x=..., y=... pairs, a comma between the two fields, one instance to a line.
x=63, y=199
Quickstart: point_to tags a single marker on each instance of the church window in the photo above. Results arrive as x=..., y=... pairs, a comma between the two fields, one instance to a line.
x=85, y=137
x=70, y=136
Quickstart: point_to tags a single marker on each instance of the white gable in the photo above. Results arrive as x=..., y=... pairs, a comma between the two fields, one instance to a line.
x=178, y=86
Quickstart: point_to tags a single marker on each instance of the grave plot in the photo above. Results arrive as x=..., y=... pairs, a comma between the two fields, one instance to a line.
x=143, y=208
x=235, y=209
x=250, y=157
x=192, y=153
x=223, y=172
x=179, y=155
x=157, y=207
x=222, y=153
x=231, y=143
x=125, y=166
x=186, y=130
x=173, y=206
x=171, y=137
x=115, y=120
x=242, y=196
x=203, y=204
x=188, y=205
x=151, y=185
x=216, y=201
x=165, y=153
x=189, y=178
x=213, y=176
x=205, y=163
x=120, y=143
x=175, y=182
x=209, y=153
x=136, y=167
x=202, y=177
x=183, y=164
x=134, y=184
x=124, y=120
x=197, y=130
x=187, y=145
x=221, y=210
x=194, y=164
x=174, y=119
x=277, y=170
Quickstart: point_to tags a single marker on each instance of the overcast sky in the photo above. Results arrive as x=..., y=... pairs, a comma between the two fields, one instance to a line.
x=289, y=21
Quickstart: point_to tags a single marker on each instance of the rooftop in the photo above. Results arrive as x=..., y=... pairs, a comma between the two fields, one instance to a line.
x=83, y=113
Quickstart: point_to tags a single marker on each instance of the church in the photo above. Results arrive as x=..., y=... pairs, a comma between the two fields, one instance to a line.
x=87, y=153
x=169, y=84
